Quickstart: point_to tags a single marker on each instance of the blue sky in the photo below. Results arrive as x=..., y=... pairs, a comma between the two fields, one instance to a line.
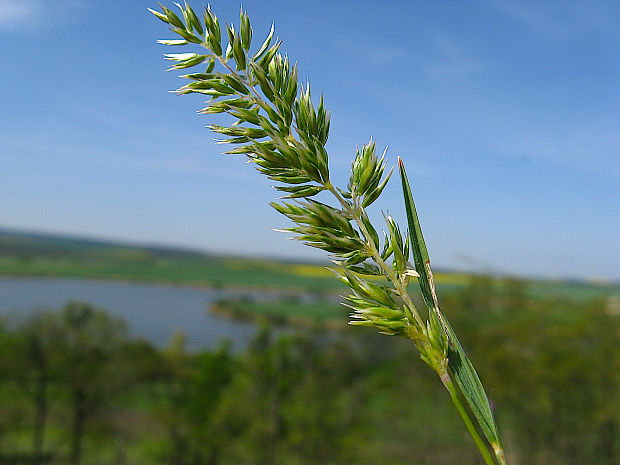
x=505, y=113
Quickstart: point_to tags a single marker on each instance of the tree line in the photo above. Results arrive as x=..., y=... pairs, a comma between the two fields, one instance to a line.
x=75, y=389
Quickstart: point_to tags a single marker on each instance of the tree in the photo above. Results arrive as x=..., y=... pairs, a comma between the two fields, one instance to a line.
x=28, y=363
x=294, y=398
x=35, y=336
x=89, y=342
x=194, y=384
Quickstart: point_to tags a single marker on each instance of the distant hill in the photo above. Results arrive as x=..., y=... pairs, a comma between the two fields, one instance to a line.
x=40, y=254
x=25, y=243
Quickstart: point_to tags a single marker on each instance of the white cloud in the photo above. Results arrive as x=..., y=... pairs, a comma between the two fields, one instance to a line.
x=32, y=15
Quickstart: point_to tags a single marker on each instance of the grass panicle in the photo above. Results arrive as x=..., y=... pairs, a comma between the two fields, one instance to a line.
x=283, y=133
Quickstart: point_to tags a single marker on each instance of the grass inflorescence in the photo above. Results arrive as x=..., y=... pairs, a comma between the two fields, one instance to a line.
x=281, y=131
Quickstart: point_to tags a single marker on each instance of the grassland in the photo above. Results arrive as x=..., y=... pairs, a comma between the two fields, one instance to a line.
x=292, y=312
x=44, y=255
x=33, y=255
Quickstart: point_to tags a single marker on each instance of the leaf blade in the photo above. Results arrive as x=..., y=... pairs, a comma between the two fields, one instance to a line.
x=464, y=372
x=471, y=387
x=418, y=246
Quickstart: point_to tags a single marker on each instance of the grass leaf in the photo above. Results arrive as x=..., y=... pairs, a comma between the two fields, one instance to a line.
x=464, y=373
x=418, y=246
x=470, y=385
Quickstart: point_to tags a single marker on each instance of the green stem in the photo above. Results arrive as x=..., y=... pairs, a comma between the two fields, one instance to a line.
x=482, y=447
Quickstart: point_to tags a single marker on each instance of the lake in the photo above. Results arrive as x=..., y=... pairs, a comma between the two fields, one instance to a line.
x=152, y=311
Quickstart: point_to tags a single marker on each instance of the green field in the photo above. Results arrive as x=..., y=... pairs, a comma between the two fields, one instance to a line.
x=44, y=255
x=30, y=255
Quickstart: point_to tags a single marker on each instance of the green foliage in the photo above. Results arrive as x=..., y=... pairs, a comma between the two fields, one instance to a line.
x=78, y=347
x=552, y=365
x=309, y=397
x=195, y=384
x=276, y=381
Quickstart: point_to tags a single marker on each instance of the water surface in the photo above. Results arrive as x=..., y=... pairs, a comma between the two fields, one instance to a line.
x=152, y=311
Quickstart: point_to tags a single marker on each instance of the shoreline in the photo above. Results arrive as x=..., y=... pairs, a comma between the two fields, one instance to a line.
x=292, y=321
x=600, y=290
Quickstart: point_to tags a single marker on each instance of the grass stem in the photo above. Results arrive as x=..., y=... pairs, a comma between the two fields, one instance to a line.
x=482, y=447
